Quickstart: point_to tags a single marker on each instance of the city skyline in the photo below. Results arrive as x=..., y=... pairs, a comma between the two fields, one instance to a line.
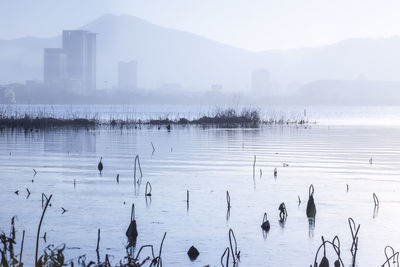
x=72, y=67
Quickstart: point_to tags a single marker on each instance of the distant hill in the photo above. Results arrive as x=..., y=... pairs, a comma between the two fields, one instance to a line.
x=377, y=59
x=350, y=92
x=171, y=56
x=166, y=55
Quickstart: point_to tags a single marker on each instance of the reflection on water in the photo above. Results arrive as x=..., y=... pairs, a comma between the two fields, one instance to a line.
x=74, y=141
x=208, y=162
x=376, y=210
x=311, y=227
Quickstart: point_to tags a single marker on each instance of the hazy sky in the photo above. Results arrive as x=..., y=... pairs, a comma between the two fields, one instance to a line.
x=250, y=24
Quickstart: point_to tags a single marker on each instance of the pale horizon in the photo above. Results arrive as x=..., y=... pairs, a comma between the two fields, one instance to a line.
x=286, y=25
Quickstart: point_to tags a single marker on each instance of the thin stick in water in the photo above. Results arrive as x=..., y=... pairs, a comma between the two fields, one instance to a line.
x=254, y=166
x=228, y=200
x=22, y=249
x=159, y=254
x=140, y=169
x=98, y=240
x=38, y=231
x=376, y=200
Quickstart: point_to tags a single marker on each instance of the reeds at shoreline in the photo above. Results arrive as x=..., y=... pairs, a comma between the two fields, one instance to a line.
x=226, y=117
x=28, y=122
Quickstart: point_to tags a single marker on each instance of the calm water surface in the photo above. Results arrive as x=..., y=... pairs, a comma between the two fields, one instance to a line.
x=208, y=162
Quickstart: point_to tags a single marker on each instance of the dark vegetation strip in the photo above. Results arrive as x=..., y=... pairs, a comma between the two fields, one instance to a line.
x=28, y=122
x=228, y=118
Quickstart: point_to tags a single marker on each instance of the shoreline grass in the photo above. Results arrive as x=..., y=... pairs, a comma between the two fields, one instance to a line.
x=28, y=122
x=226, y=118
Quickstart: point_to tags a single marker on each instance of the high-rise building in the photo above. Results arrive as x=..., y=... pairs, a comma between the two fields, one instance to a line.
x=74, y=65
x=80, y=49
x=127, y=75
x=260, y=81
x=54, y=66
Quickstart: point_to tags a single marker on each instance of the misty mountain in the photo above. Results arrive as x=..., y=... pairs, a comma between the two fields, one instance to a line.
x=171, y=56
x=350, y=92
x=165, y=55
x=375, y=59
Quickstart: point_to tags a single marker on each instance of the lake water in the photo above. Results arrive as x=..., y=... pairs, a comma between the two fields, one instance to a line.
x=208, y=162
